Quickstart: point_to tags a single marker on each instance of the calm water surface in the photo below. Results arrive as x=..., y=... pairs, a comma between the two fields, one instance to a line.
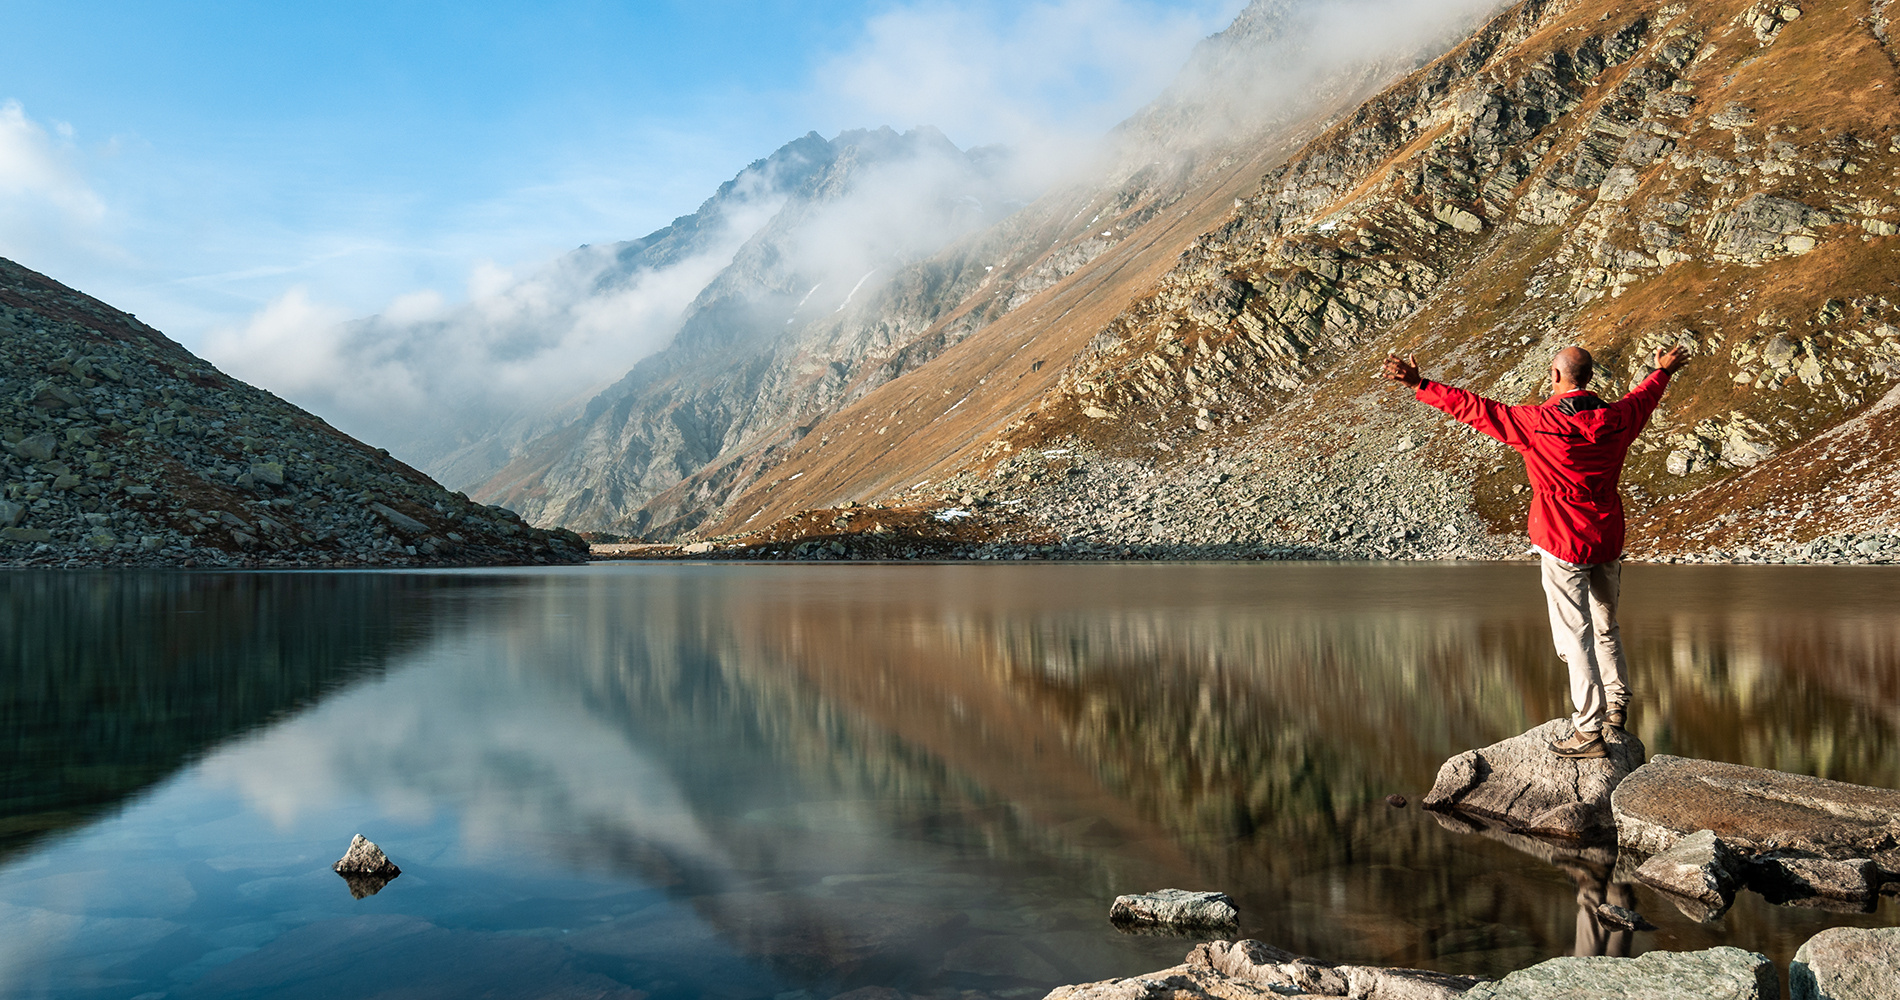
x=795, y=781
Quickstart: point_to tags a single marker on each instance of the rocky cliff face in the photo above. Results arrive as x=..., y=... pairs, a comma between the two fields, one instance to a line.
x=685, y=434
x=1620, y=176
x=121, y=448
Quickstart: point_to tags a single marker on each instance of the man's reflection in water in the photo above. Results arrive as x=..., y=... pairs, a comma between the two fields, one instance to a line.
x=1596, y=936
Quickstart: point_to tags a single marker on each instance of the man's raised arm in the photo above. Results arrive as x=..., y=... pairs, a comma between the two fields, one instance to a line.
x=1487, y=415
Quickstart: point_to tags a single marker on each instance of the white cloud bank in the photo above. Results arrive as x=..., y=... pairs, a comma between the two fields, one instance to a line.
x=48, y=211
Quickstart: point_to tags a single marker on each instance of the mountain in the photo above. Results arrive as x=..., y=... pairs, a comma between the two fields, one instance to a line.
x=1622, y=176
x=122, y=448
x=751, y=372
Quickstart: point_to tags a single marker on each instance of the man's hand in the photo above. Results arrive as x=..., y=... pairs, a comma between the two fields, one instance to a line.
x=1671, y=359
x=1403, y=370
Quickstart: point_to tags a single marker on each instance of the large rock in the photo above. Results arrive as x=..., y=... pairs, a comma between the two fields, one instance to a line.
x=1698, y=869
x=1756, y=811
x=1244, y=970
x=1716, y=974
x=1520, y=783
x=1847, y=963
x=1178, y=907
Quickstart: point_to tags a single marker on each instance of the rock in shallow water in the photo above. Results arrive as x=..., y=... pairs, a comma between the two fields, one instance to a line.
x=1847, y=963
x=1716, y=974
x=1756, y=810
x=1700, y=874
x=365, y=867
x=1178, y=907
x=1520, y=783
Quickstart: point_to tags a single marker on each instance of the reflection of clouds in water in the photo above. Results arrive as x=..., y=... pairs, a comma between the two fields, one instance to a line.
x=523, y=765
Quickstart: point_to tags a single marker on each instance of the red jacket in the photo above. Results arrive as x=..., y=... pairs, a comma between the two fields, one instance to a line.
x=1573, y=448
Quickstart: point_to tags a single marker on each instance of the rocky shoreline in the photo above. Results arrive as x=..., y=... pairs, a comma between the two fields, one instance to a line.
x=1696, y=832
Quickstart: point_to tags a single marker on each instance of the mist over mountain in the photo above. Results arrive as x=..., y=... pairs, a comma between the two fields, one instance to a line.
x=671, y=444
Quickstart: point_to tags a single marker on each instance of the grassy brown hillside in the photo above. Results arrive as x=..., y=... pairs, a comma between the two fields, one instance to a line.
x=1617, y=175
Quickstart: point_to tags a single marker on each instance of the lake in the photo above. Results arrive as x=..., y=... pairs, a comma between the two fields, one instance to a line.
x=796, y=781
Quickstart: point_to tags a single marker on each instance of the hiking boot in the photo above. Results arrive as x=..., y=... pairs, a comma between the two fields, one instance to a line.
x=1581, y=745
x=1616, y=714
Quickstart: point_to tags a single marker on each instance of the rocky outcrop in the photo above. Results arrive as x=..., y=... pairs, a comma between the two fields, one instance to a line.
x=1522, y=785
x=1847, y=963
x=1699, y=872
x=1715, y=974
x=1243, y=970
x=1757, y=811
x=1175, y=907
x=119, y=447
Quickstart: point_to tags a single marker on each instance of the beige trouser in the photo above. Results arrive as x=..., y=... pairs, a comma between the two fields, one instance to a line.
x=1583, y=624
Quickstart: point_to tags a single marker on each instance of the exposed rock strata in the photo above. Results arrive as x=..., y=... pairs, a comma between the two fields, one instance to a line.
x=1520, y=783
x=118, y=447
x=1619, y=176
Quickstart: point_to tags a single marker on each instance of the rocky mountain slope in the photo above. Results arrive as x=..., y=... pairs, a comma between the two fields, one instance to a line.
x=691, y=429
x=1618, y=175
x=752, y=346
x=121, y=448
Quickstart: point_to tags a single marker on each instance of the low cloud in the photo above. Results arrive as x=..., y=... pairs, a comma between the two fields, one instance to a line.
x=425, y=377
x=47, y=208
x=1046, y=79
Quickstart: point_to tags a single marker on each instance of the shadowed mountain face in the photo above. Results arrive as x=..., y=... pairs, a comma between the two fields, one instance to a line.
x=111, y=683
x=1620, y=176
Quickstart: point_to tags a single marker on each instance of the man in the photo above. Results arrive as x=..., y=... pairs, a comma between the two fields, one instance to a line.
x=1573, y=446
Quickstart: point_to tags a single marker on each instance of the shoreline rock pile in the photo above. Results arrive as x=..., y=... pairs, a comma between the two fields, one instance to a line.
x=118, y=447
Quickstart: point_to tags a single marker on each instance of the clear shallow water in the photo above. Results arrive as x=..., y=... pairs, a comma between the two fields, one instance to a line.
x=750, y=781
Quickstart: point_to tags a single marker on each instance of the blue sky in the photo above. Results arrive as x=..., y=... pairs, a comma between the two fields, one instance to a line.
x=197, y=162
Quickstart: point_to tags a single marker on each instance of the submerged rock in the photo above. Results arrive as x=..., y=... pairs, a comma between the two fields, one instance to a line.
x=1178, y=907
x=1847, y=963
x=1520, y=783
x=1716, y=974
x=1756, y=810
x=1623, y=918
x=1700, y=873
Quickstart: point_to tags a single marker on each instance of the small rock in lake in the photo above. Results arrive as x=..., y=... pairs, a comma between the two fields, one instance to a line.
x=365, y=867
x=1623, y=918
x=365, y=858
x=1395, y=801
x=1176, y=906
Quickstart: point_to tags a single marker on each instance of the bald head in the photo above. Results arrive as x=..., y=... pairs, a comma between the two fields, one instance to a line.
x=1572, y=365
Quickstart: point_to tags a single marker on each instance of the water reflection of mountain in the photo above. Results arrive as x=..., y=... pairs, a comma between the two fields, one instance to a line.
x=1239, y=732
x=111, y=681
